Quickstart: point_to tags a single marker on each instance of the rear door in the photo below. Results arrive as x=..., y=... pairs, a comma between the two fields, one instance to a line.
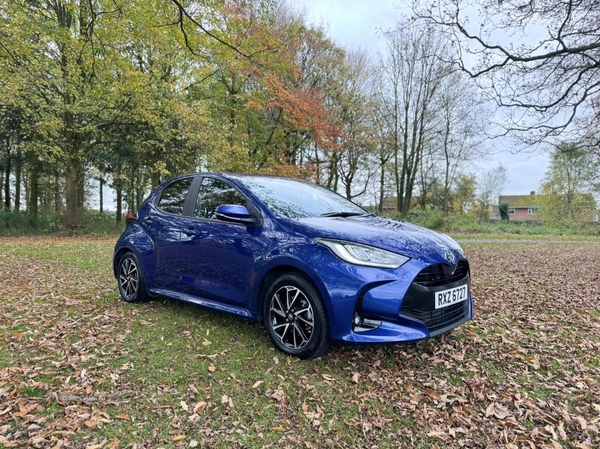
x=163, y=223
x=217, y=256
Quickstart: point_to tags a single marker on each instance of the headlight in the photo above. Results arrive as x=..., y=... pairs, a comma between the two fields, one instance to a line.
x=358, y=254
x=452, y=243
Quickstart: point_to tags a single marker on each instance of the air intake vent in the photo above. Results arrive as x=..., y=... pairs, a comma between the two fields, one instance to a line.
x=439, y=320
x=436, y=275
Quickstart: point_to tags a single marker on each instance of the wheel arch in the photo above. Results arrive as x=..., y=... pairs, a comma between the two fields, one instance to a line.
x=117, y=258
x=134, y=239
x=270, y=274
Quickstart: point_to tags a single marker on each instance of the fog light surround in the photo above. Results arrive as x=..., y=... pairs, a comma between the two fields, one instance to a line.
x=364, y=324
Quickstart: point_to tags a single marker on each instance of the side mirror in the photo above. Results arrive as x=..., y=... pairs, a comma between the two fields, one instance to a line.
x=235, y=213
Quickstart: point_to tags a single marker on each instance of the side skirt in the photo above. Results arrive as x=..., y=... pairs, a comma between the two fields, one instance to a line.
x=204, y=302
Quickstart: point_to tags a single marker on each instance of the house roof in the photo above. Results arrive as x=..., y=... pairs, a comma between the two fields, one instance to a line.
x=534, y=200
x=519, y=200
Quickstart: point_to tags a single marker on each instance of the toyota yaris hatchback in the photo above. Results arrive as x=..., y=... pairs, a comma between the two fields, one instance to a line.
x=315, y=268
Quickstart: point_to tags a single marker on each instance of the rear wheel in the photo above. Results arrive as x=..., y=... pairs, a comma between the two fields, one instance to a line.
x=131, y=279
x=295, y=317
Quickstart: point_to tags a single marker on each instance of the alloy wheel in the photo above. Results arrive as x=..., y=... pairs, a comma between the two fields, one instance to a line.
x=129, y=277
x=292, y=317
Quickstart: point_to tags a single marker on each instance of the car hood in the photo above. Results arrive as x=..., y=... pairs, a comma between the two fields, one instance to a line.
x=403, y=238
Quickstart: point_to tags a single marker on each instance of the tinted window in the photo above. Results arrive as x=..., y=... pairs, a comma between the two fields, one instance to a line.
x=173, y=197
x=297, y=199
x=213, y=193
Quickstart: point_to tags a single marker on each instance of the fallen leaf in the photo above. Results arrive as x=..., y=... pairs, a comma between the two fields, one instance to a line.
x=497, y=410
x=199, y=405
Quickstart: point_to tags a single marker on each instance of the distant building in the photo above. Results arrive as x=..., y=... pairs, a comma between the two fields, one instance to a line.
x=525, y=207
x=521, y=207
x=390, y=204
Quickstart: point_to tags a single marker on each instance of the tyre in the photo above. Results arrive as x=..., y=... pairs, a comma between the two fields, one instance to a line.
x=295, y=317
x=131, y=279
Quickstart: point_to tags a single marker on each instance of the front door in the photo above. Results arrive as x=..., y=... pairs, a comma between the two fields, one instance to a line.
x=217, y=256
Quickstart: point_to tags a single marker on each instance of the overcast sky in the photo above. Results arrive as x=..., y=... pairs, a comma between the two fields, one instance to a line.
x=358, y=23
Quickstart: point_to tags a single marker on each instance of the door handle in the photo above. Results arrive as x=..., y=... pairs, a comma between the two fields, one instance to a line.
x=189, y=231
x=148, y=221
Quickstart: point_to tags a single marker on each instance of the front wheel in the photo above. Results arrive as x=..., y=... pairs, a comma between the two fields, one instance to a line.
x=131, y=279
x=295, y=317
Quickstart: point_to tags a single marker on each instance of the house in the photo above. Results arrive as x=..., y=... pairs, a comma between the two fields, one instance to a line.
x=521, y=207
x=525, y=207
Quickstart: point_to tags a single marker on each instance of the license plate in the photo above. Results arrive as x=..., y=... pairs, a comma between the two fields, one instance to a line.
x=451, y=296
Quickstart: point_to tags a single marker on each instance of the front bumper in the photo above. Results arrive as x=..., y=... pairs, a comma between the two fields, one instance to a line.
x=403, y=309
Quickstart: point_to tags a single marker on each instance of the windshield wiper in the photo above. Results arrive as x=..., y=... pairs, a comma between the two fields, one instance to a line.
x=345, y=214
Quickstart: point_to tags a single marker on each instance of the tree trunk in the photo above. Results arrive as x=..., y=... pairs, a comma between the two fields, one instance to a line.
x=139, y=197
x=131, y=197
x=101, y=194
x=119, y=190
x=118, y=186
x=446, y=165
x=57, y=199
x=381, y=188
x=7, y=177
x=18, y=165
x=155, y=179
x=74, y=178
x=32, y=206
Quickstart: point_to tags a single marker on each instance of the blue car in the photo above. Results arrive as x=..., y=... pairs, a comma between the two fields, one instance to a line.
x=315, y=268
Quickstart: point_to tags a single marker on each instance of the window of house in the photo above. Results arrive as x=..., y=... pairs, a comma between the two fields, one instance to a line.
x=532, y=211
x=173, y=197
x=511, y=211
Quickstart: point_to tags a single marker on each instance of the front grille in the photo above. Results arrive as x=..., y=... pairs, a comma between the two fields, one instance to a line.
x=418, y=303
x=437, y=320
x=436, y=275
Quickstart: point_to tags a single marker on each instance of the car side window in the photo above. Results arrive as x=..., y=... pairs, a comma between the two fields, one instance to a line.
x=213, y=193
x=172, y=198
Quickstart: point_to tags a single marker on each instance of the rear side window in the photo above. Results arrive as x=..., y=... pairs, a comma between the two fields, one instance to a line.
x=173, y=197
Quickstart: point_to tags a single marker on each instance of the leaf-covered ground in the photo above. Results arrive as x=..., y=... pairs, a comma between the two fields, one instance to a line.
x=80, y=368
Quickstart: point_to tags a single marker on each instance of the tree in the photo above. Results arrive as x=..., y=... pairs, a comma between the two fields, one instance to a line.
x=412, y=74
x=491, y=184
x=268, y=108
x=538, y=60
x=461, y=124
x=503, y=209
x=59, y=52
x=465, y=193
x=570, y=184
x=356, y=115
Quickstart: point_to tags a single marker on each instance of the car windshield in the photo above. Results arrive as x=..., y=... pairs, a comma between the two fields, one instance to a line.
x=297, y=199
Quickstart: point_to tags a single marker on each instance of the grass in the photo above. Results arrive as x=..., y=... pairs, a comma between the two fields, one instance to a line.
x=102, y=373
x=471, y=225
x=531, y=238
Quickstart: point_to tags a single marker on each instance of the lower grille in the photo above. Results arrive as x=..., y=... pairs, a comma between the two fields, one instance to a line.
x=419, y=302
x=437, y=320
